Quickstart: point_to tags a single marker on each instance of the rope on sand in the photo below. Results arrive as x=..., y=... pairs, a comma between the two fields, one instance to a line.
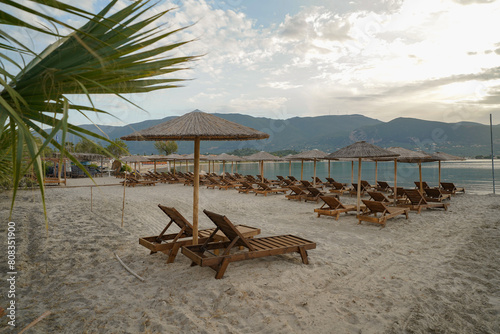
x=128, y=269
x=34, y=322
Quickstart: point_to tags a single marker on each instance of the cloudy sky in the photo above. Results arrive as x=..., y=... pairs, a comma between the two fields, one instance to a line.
x=430, y=59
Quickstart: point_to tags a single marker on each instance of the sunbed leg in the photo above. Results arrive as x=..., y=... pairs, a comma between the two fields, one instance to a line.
x=222, y=268
x=173, y=253
x=193, y=264
x=303, y=255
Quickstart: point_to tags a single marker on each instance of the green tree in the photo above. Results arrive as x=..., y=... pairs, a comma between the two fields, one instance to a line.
x=87, y=146
x=117, y=148
x=166, y=147
x=117, y=51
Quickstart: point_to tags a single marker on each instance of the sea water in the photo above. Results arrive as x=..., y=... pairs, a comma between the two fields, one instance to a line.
x=474, y=175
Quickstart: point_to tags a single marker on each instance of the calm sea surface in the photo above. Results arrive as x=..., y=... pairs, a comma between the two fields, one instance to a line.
x=474, y=175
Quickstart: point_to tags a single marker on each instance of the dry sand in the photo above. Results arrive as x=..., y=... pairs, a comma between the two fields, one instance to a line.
x=437, y=272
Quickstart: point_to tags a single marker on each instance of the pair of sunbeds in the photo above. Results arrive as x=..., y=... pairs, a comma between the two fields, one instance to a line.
x=226, y=237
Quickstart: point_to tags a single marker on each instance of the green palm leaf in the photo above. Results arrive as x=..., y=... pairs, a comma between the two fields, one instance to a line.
x=119, y=53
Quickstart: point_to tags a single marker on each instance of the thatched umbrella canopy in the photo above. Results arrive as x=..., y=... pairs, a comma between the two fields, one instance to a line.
x=313, y=155
x=410, y=156
x=174, y=157
x=155, y=158
x=226, y=157
x=261, y=157
x=441, y=156
x=361, y=150
x=197, y=126
x=135, y=159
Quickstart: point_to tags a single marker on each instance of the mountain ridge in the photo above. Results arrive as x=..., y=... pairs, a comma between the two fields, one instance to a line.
x=331, y=132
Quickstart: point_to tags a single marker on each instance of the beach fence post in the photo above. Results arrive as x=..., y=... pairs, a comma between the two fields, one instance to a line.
x=123, y=205
x=91, y=198
x=492, y=156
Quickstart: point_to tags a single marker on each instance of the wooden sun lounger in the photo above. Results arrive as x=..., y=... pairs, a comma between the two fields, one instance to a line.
x=171, y=243
x=339, y=188
x=203, y=256
x=245, y=187
x=378, y=197
x=296, y=193
x=383, y=186
x=424, y=185
x=313, y=195
x=308, y=184
x=450, y=188
x=436, y=195
x=333, y=207
x=386, y=212
x=418, y=201
x=265, y=189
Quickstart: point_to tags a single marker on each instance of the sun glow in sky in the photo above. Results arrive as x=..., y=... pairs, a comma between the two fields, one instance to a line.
x=430, y=59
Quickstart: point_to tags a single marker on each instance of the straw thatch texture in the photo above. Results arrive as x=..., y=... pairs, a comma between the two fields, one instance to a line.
x=191, y=157
x=225, y=157
x=361, y=149
x=158, y=157
x=410, y=156
x=441, y=156
x=135, y=158
x=262, y=156
x=200, y=125
x=309, y=155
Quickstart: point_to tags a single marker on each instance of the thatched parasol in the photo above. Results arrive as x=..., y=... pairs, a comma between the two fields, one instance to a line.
x=156, y=158
x=174, y=157
x=135, y=159
x=361, y=150
x=441, y=156
x=410, y=156
x=261, y=157
x=197, y=126
x=313, y=155
x=226, y=157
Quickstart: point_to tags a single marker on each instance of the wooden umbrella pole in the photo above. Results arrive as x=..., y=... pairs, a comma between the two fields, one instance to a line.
x=123, y=205
x=262, y=170
x=314, y=181
x=420, y=175
x=302, y=170
x=174, y=167
x=232, y=165
x=376, y=171
x=359, y=184
x=395, y=180
x=352, y=171
x=196, y=189
x=223, y=168
x=439, y=182
x=290, y=167
x=91, y=199
x=329, y=163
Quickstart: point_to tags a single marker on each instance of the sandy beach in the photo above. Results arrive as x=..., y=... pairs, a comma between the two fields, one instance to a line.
x=437, y=272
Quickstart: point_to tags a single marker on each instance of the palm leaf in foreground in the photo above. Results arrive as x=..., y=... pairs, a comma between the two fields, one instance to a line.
x=110, y=54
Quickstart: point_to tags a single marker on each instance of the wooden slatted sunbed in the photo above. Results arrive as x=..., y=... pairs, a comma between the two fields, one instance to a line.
x=204, y=256
x=333, y=207
x=296, y=193
x=386, y=212
x=265, y=189
x=418, y=201
x=171, y=243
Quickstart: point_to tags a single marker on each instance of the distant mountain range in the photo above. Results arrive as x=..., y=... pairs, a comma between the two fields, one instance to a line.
x=329, y=133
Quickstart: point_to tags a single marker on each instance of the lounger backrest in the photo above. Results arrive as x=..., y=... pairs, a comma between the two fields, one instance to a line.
x=375, y=206
x=228, y=229
x=296, y=190
x=338, y=185
x=332, y=202
x=433, y=192
x=314, y=191
x=306, y=183
x=379, y=197
x=448, y=186
x=383, y=184
x=263, y=186
x=178, y=219
x=415, y=196
x=329, y=179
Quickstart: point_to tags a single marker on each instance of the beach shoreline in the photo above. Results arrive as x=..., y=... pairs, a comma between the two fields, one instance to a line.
x=435, y=272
